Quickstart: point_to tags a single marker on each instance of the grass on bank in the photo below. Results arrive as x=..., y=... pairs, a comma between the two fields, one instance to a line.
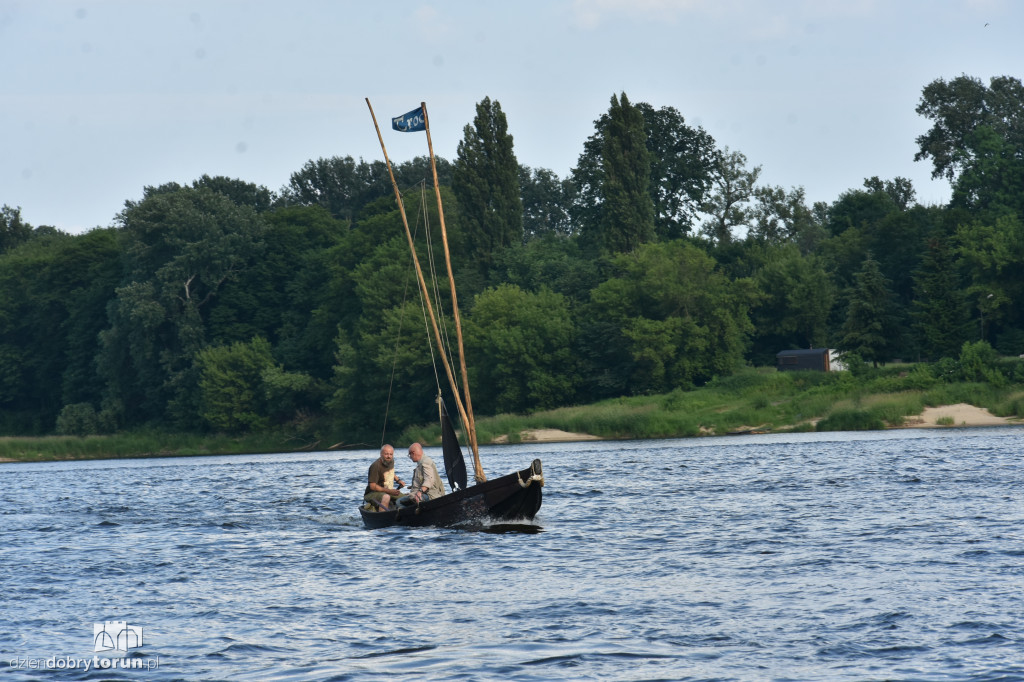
x=143, y=443
x=760, y=400
x=752, y=400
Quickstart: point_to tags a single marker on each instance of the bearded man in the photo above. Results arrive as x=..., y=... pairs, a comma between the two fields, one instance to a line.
x=382, y=479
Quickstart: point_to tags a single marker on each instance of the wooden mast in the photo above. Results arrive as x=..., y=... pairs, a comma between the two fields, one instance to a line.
x=466, y=418
x=471, y=423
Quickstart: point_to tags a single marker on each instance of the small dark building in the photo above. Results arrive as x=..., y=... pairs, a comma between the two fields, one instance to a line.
x=811, y=359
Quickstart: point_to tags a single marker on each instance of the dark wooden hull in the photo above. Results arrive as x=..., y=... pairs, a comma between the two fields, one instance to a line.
x=513, y=496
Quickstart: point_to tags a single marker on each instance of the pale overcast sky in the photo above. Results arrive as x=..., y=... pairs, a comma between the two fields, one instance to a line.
x=103, y=97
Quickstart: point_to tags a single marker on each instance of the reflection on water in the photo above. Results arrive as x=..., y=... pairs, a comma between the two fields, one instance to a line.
x=883, y=555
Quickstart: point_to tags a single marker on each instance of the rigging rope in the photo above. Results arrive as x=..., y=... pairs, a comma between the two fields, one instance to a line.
x=430, y=261
x=401, y=323
x=442, y=319
x=446, y=342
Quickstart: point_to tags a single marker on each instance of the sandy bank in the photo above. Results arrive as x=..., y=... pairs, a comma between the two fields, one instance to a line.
x=547, y=436
x=961, y=414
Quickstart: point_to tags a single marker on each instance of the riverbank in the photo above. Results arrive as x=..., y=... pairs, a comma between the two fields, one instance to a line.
x=957, y=415
x=945, y=416
x=754, y=400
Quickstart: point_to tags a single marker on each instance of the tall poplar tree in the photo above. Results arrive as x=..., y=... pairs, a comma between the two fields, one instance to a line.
x=627, y=210
x=679, y=173
x=485, y=181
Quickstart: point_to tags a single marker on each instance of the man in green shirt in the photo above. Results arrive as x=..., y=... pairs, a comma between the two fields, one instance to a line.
x=381, y=480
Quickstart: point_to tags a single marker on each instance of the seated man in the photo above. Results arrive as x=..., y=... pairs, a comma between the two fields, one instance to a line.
x=381, y=484
x=426, y=483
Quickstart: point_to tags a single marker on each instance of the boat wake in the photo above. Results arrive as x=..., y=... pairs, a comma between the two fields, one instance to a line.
x=501, y=526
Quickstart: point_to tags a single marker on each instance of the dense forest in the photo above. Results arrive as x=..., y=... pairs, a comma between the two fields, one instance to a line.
x=659, y=263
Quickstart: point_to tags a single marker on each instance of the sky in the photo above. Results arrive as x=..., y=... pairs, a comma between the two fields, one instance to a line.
x=101, y=98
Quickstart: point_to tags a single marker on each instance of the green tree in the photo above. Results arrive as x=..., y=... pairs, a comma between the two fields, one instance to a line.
x=78, y=419
x=232, y=397
x=780, y=216
x=873, y=220
x=939, y=308
x=344, y=187
x=277, y=295
x=992, y=183
x=627, y=211
x=668, y=318
x=979, y=362
x=520, y=347
x=869, y=330
x=85, y=273
x=976, y=139
x=682, y=163
x=485, y=181
x=798, y=297
x=680, y=160
x=54, y=289
x=384, y=374
x=181, y=245
x=550, y=261
x=13, y=230
x=900, y=190
x=257, y=197
x=546, y=203
x=994, y=255
x=957, y=109
x=729, y=203
x=338, y=184
x=382, y=361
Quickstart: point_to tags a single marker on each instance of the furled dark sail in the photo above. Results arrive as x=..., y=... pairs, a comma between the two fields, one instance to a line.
x=454, y=464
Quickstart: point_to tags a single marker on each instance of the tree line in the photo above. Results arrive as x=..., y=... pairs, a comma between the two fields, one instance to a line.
x=659, y=262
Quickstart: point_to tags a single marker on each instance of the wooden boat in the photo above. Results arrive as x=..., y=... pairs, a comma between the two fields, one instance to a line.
x=512, y=497
x=515, y=496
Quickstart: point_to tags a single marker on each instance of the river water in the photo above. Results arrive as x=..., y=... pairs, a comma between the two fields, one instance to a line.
x=893, y=555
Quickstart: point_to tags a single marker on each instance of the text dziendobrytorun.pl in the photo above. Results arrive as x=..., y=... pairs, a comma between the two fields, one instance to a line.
x=86, y=664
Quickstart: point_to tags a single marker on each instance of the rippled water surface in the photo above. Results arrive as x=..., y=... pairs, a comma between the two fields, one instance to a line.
x=892, y=555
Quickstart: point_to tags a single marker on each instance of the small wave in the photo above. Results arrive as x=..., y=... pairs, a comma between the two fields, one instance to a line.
x=245, y=648
x=397, y=652
x=567, y=660
x=994, y=638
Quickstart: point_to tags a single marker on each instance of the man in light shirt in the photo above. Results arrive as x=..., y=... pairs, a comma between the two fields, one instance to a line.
x=426, y=483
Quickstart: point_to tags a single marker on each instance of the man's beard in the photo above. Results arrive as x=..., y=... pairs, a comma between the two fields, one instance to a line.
x=388, y=465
